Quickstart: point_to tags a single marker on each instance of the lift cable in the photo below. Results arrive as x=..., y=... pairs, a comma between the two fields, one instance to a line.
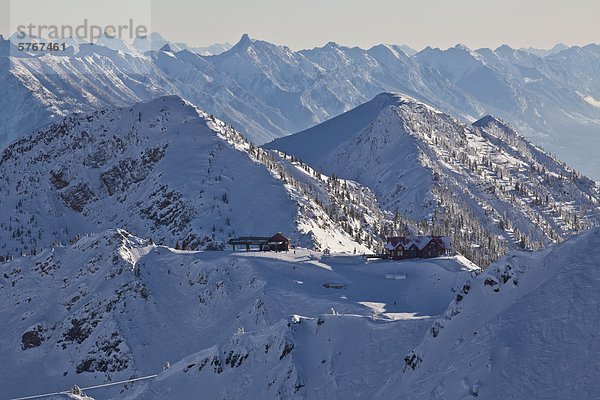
x=39, y=396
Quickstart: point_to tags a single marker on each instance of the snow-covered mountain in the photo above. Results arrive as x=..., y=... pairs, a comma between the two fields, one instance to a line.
x=426, y=165
x=111, y=306
x=525, y=328
x=269, y=91
x=174, y=174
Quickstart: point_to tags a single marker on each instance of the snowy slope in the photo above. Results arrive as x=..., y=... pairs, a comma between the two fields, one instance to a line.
x=526, y=328
x=170, y=172
x=112, y=306
x=421, y=162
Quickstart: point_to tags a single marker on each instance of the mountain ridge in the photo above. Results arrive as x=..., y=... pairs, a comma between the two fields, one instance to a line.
x=170, y=172
x=277, y=91
x=422, y=163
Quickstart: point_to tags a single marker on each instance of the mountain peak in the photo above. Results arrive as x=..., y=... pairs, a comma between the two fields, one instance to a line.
x=490, y=120
x=155, y=36
x=504, y=49
x=117, y=44
x=170, y=101
x=389, y=54
x=244, y=41
x=166, y=48
x=405, y=49
x=389, y=97
x=460, y=46
x=312, y=145
x=463, y=50
x=428, y=51
x=242, y=45
x=395, y=98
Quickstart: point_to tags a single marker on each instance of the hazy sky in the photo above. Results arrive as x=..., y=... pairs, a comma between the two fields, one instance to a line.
x=309, y=23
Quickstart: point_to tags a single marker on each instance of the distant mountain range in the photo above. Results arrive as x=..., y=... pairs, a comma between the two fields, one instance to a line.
x=269, y=91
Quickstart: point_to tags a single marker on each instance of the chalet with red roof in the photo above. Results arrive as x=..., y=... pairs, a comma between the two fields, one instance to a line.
x=405, y=247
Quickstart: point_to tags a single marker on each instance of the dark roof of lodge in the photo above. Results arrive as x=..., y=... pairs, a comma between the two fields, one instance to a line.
x=277, y=238
x=249, y=240
x=418, y=241
x=252, y=238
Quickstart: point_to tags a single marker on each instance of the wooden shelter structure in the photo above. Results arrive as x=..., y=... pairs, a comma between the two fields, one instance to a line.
x=277, y=242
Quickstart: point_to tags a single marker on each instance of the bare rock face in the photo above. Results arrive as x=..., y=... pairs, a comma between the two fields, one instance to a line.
x=33, y=338
x=129, y=171
x=58, y=179
x=77, y=197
